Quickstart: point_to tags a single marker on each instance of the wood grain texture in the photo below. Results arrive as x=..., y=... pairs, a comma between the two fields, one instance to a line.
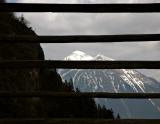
x=15, y=64
x=77, y=95
x=81, y=8
x=80, y=38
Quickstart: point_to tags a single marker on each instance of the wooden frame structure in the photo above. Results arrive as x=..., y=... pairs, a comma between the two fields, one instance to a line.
x=80, y=8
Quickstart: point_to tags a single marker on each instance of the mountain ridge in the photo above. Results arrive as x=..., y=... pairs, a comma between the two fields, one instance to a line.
x=118, y=81
x=79, y=55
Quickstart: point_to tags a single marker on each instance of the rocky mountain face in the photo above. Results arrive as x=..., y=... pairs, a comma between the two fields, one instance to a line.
x=118, y=81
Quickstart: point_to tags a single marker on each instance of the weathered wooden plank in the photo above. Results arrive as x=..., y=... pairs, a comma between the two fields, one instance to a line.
x=80, y=38
x=83, y=8
x=14, y=64
x=77, y=121
x=77, y=95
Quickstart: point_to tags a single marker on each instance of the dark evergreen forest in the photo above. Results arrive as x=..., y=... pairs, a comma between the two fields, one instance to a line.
x=37, y=80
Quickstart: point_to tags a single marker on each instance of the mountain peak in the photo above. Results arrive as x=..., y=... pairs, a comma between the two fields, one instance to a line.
x=79, y=55
x=102, y=57
x=78, y=52
x=114, y=80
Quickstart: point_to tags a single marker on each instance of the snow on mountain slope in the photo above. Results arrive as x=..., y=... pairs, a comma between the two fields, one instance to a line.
x=118, y=81
x=78, y=55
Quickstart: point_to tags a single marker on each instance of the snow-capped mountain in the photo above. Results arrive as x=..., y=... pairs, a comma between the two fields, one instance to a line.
x=118, y=81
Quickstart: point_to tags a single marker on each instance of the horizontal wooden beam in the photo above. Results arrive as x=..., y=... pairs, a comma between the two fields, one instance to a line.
x=80, y=38
x=46, y=94
x=77, y=121
x=83, y=8
x=15, y=64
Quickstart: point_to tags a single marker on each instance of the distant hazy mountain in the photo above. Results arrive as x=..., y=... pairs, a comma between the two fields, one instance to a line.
x=118, y=81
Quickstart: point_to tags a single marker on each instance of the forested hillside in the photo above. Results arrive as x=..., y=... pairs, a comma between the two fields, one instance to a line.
x=36, y=80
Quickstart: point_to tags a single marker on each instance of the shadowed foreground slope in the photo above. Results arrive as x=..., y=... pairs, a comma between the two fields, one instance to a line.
x=36, y=80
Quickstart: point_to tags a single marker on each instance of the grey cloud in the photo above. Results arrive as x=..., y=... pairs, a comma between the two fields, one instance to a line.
x=69, y=24
x=54, y=24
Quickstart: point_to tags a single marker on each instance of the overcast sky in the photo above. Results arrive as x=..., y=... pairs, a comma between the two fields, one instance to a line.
x=76, y=24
